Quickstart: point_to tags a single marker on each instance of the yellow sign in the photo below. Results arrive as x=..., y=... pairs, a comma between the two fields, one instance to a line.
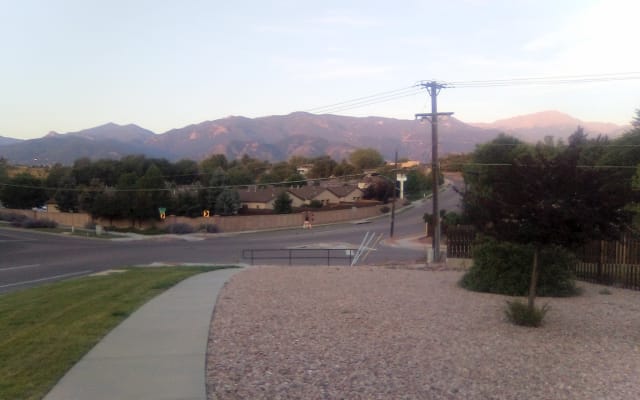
x=205, y=213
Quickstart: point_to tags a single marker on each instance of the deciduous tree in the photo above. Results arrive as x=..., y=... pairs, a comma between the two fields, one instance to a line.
x=542, y=201
x=367, y=158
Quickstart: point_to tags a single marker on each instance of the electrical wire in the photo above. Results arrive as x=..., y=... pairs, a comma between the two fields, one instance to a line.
x=367, y=100
x=418, y=87
x=545, y=81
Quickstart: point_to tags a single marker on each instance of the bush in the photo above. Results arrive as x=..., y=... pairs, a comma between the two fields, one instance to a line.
x=315, y=204
x=31, y=223
x=384, y=209
x=520, y=314
x=12, y=217
x=180, y=228
x=209, y=228
x=505, y=268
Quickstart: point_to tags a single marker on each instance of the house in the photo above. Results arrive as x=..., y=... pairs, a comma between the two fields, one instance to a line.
x=264, y=198
x=405, y=164
x=304, y=169
x=258, y=198
x=347, y=193
x=310, y=193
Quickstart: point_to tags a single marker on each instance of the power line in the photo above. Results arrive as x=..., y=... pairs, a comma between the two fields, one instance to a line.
x=177, y=188
x=412, y=90
x=547, y=80
x=367, y=100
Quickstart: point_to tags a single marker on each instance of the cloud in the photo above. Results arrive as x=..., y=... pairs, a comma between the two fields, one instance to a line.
x=346, y=20
x=330, y=69
x=600, y=38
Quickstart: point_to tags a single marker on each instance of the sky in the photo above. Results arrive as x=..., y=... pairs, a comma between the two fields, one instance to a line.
x=68, y=65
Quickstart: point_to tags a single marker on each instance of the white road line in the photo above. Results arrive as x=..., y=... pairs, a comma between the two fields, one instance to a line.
x=20, y=267
x=45, y=279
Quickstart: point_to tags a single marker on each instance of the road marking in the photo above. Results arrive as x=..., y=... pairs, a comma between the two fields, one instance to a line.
x=45, y=279
x=20, y=267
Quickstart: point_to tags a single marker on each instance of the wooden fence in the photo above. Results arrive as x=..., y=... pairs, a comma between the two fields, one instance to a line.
x=615, y=263
x=460, y=241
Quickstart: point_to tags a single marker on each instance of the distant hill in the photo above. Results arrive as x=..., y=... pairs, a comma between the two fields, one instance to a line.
x=534, y=127
x=279, y=137
x=7, y=140
x=106, y=141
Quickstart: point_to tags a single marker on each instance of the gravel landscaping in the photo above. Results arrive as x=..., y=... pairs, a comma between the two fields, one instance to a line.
x=380, y=333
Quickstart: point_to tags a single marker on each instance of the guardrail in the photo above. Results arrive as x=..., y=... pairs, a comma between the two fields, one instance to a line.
x=300, y=255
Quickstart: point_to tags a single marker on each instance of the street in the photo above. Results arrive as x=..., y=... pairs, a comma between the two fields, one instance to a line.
x=31, y=258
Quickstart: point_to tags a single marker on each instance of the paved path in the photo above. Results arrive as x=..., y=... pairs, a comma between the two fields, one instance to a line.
x=157, y=353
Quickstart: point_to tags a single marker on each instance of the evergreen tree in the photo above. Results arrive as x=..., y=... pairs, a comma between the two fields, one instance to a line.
x=282, y=204
x=228, y=202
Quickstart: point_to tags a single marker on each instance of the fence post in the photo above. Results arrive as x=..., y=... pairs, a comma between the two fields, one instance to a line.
x=599, y=264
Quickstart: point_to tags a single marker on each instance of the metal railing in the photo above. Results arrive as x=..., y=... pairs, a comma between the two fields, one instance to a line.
x=300, y=256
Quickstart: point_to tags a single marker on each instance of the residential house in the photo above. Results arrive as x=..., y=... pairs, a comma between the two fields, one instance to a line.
x=319, y=193
x=304, y=169
x=258, y=198
x=347, y=193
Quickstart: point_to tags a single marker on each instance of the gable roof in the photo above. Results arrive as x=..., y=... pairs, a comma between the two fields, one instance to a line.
x=259, y=195
x=342, y=191
x=307, y=192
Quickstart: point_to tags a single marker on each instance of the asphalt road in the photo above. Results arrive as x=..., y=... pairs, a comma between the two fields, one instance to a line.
x=29, y=258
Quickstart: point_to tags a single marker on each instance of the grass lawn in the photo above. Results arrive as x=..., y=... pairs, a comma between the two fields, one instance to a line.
x=44, y=331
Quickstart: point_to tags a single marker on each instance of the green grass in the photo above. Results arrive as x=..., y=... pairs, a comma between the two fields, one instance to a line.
x=44, y=331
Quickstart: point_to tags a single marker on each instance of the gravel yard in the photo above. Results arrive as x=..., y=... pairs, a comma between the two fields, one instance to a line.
x=379, y=333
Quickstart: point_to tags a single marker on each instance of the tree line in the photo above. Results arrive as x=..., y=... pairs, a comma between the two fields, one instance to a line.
x=134, y=187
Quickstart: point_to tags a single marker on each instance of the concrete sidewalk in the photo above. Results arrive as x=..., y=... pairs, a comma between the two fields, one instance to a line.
x=157, y=353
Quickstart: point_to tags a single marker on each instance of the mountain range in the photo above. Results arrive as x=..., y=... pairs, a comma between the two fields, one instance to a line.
x=279, y=137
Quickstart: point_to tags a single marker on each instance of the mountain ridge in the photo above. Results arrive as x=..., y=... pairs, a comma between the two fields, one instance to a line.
x=278, y=137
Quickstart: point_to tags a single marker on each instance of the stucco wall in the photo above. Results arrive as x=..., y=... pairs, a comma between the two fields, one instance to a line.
x=224, y=224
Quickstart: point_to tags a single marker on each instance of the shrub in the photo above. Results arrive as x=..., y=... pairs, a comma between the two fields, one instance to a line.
x=384, y=209
x=90, y=225
x=180, y=228
x=209, y=228
x=12, y=217
x=520, y=314
x=30, y=223
x=315, y=204
x=505, y=268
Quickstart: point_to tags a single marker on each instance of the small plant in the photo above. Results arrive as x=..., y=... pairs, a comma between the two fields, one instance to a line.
x=384, y=209
x=605, y=291
x=315, y=204
x=209, y=228
x=520, y=314
x=31, y=223
x=12, y=217
x=180, y=229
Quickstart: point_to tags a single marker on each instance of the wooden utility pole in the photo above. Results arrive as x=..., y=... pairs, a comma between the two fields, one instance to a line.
x=433, y=88
x=393, y=203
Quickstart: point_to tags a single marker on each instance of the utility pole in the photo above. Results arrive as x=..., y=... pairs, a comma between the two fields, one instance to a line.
x=433, y=88
x=393, y=203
